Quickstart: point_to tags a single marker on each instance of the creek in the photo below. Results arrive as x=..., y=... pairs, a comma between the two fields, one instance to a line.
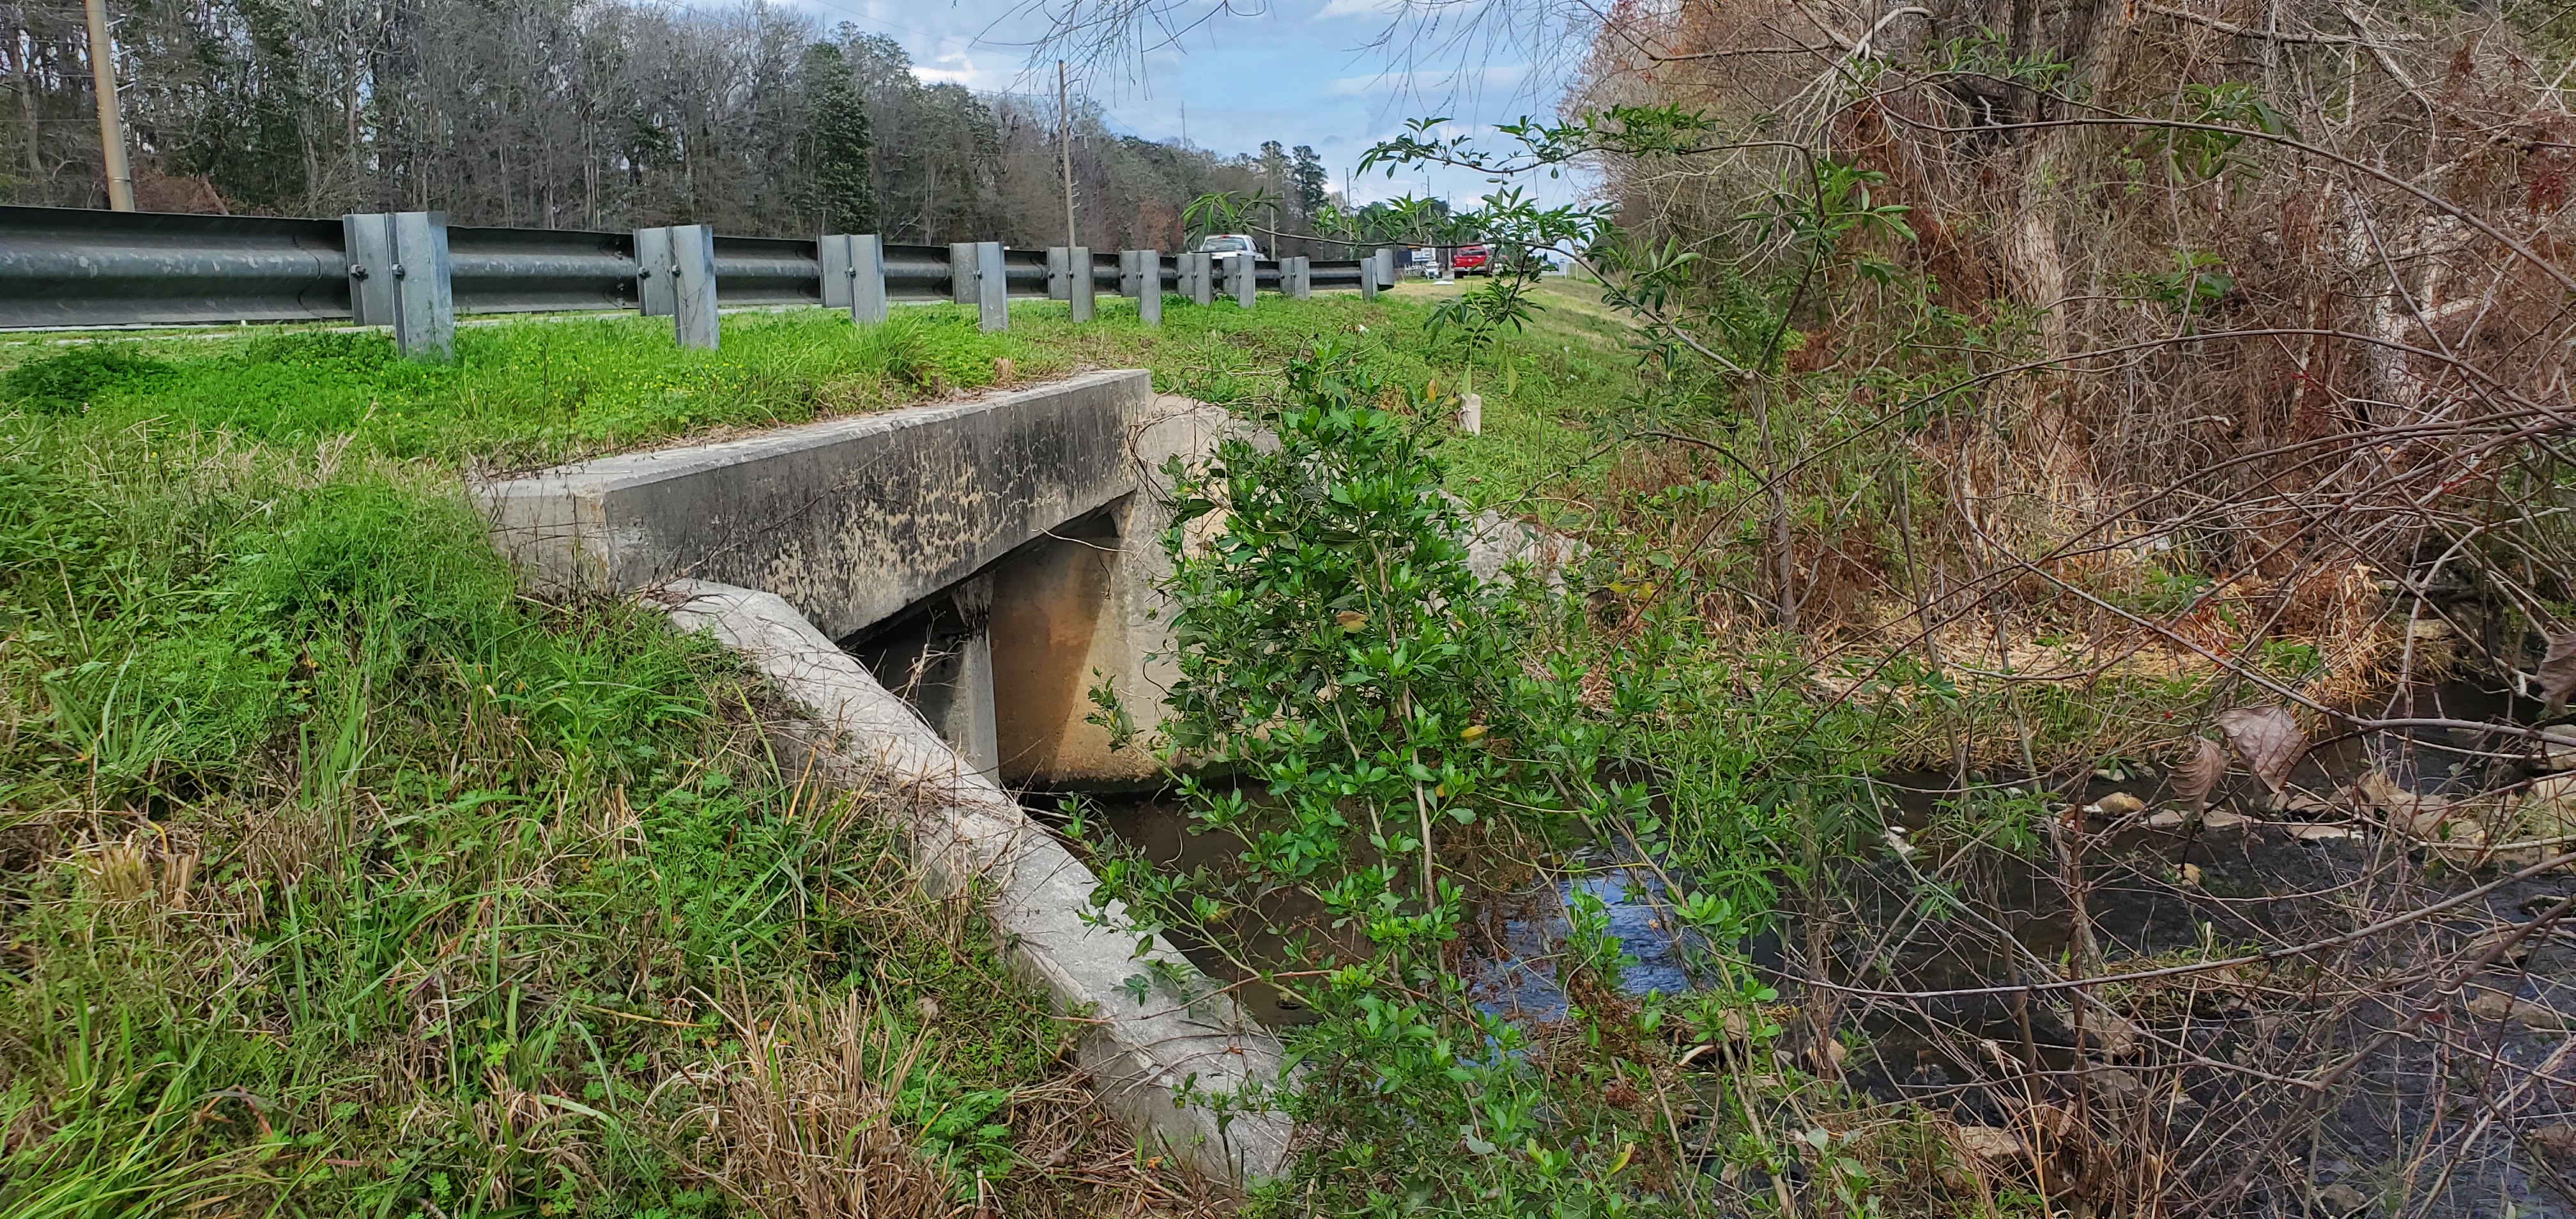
x=1925, y=915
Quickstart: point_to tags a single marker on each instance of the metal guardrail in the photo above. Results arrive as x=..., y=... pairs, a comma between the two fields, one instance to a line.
x=65, y=267
x=494, y=270
x=68, y=267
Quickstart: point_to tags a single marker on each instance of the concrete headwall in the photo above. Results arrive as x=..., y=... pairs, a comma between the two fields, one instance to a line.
x=850, y=521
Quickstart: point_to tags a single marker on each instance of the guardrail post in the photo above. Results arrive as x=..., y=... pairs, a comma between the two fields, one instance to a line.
x=832, y=262
x=961, y=272
x=1079, y=282
x=367, y=239
x=1202, y=278
x=1383, y=263
x=1244, y=276
x=1297, y=276
x=1059, y=273
x=854, y=275
x=1146, y=268
x=867, y=279
x=693, y=285
x=992, y=287
x=653, y=295
x=1368, y=277
x=424, y=296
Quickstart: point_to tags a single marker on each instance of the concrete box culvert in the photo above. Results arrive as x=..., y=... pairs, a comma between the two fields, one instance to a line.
x=1044, y=502
x=1050, y=493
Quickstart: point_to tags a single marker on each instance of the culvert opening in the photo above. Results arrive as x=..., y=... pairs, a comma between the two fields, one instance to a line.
x=1003, y=663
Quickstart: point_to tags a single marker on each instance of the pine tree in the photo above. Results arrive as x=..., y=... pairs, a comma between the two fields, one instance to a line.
x=1307, y=185
x=841, y=143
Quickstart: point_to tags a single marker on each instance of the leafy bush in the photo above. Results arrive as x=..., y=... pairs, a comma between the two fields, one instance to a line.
x=1338, y=656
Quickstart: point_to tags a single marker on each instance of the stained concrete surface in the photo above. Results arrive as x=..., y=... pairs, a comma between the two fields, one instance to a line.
x=849, y=520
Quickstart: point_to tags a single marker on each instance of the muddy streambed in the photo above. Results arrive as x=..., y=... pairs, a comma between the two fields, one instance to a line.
x=2425, y=1068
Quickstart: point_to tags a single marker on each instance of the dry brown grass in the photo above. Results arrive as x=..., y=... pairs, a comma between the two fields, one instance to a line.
x=805, y=1124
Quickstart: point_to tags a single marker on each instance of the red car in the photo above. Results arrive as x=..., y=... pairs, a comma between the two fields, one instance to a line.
x=1471, y=260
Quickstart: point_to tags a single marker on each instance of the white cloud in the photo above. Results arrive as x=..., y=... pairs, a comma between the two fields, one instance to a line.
x=961, y=69
x=1361, y=8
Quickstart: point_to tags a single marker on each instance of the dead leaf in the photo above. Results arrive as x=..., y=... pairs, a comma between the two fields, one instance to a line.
x=2200, y=775
x=2558, y=670
x=1988, y=1143
x=2113, y=1082
x=1351, y=620
x=2112, y=1034
x=2269, y=740
x=2118, y=804
x=2491, y=1005
x=2557, y=1140
x=2409, y=812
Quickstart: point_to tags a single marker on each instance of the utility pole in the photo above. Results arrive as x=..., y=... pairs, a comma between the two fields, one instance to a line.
x=111, y=129
x=1064, y=143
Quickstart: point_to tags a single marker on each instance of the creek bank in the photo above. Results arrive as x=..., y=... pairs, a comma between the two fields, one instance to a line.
x=1965, y=949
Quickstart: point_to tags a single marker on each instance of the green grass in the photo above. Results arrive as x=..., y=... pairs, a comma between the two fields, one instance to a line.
x=537, y=391
x=524, y=393
x=1544, y=389
x=338, y=878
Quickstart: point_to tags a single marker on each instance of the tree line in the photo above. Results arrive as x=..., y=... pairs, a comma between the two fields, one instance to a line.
x=588, y=114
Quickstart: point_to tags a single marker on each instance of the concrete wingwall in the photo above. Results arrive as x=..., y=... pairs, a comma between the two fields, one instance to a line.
x=1159, y=1040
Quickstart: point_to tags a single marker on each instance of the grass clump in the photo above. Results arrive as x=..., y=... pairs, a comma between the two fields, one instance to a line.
x=64, y=384
x=1545, y=389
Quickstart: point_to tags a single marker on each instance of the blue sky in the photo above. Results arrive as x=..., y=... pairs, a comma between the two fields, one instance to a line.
x=1299, y=72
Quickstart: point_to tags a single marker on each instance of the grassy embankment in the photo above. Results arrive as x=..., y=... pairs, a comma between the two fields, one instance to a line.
x=339, y=878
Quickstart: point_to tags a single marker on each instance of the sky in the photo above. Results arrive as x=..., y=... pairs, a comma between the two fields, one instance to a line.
x=1299, y=72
